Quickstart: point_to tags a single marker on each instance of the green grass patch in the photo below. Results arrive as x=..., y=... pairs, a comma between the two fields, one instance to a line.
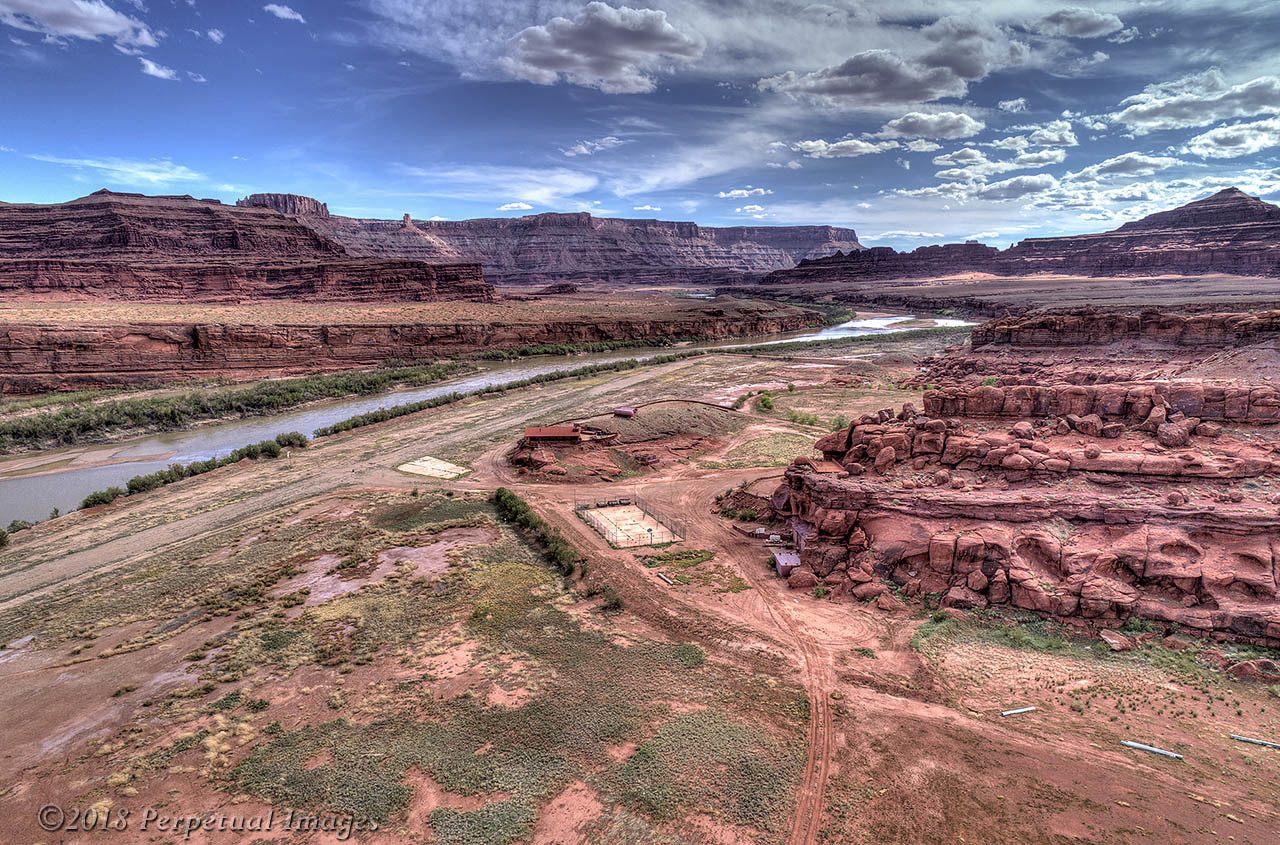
x=701, y=759
x=680, y=559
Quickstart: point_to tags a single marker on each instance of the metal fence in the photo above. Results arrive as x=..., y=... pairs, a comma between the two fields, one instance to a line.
x=678, y=527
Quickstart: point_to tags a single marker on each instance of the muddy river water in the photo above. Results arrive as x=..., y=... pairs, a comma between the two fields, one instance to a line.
x=54, y=480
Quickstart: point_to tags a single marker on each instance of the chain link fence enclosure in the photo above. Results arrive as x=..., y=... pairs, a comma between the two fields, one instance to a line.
x=633, y=522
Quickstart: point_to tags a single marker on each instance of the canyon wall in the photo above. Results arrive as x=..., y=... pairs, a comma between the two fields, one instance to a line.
x=348, y=280
x=43, y=357
x=1091, y=327
x=129, y=246
x=1229, y=232
x=542, y=248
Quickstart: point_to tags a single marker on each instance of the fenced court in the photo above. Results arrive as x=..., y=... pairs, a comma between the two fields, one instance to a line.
x=632, y=522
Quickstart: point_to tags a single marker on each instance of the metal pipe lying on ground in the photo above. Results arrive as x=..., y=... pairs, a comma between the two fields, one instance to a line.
x=1152, y=749
x=664, y=577
x=1016, y=711
x=1256, y=741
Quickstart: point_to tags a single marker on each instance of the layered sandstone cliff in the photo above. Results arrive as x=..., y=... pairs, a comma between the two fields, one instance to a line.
x=39, y=357
x=1095, y=328
x=286, y=204
x=129, y=246
x=1229, y=232
x=542, y=248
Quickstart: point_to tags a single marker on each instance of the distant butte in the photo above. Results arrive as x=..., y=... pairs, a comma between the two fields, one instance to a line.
x=1229, y=232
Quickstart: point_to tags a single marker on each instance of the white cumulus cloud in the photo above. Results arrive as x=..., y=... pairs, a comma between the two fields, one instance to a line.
x=283, y=12
x=616, y=50
x=150, y=68
x=1197, y=100
x=946, y=125
x=1242, y=139
x=1080, y=22
x=87, y=20
x=848, y=148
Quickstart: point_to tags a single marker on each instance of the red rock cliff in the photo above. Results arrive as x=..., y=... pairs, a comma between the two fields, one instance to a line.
x=1229, y=232
x=542, y=248
x=129, y=246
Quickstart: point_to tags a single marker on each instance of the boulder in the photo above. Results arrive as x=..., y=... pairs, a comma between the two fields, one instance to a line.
x=1266, y=671
x=1208, y=429
x=1173, y=435
x=802, y=579
x=885, y=458
x=1115, y=639
x=869, y=590
x=1089, y=425
x=886, y=601
x=963, y=597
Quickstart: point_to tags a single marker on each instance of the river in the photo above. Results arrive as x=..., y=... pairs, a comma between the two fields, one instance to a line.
x=32, y=497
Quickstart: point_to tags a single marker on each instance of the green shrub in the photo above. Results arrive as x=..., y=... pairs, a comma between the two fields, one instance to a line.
x=612, y=601
x=177, y=472
x=989, y=381
x=689, y=655
x=547, y=537
x=230, y=701
x=102, y=497
x=765, y=402
x=4, y=539
x=803, y=418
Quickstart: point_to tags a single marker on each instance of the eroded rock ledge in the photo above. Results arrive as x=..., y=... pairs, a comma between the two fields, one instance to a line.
x=1090, y=518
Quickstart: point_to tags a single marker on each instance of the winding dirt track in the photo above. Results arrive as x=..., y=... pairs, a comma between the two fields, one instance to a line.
x=691, y=492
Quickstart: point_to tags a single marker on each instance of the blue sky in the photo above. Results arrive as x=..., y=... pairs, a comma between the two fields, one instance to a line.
x=911, y=121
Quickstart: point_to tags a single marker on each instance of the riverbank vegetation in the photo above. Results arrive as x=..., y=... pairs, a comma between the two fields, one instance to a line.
x=176, y=472
x=88, y=421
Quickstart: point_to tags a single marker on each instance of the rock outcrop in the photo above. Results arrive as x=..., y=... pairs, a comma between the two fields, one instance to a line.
x=578, y=247
x=1091, y=502
x=286, y=204
x=1229, y=232
x=129, y=246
